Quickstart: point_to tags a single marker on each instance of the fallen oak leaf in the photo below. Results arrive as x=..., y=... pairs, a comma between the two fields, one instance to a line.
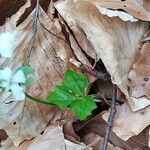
x=49, y=58
x=133, y=7
x=125, y=121
x=97, y=125
x=51, y=138
x=140, y=75
x=95, y=141
x=113, y=40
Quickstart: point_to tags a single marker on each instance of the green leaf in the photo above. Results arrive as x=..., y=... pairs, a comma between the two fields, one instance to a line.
x=75, y=82
x=60, y=97
x=26, y=69
x=83, y=107
x=71, y=94
x=28, y=81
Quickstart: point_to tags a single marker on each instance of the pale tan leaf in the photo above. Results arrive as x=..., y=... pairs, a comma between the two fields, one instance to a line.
x=83, y=42
x=146, y=5
x=52, y=138
x=114, y=13
x=115, y=41
x=95, y=141
x=77, y=47
x=7, y=145
x=133, y=7
x=127, y=123
x=73, y=146
x=140, y=74
x=50, y=59
x=97, y=126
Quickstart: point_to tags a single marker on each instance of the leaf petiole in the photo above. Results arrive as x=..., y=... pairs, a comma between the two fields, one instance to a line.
x=37, y=100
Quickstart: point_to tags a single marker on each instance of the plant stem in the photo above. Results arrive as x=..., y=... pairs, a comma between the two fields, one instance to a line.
x=110, y=118
x=37, y=100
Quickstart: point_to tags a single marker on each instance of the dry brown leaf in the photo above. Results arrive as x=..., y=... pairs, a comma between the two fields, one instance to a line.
x=117, y=13
x=77, y=48
x=69, y=132
x=146, y=5
x=127, y=123
x=95, y=141
x=133, y=7
x=98, y=125
x=115, y=41
x=51, y=138
x=140, y=74
x=83, y=42
x=49, y=57
x=10, y=7
x=73, y=146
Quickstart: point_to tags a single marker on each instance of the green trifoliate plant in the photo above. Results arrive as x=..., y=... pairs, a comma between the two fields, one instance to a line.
x=72, y=94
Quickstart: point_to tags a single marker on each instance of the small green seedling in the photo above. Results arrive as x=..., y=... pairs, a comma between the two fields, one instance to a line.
x=72, y=94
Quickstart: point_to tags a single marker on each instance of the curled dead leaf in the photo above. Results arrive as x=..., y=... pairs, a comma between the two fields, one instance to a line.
x=115, y=41
x=134, y=7
x=126, y=123
x=97, y=126
x=95, y=141
x=49, y=58
x=51, y=138
x=140, y=75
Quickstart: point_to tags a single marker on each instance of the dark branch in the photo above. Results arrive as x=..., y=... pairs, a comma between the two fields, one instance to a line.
x=110, y=118
x=94, y=72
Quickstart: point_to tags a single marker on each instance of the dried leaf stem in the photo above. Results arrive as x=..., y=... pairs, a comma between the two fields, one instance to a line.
x=110, y=118
x=34, y=30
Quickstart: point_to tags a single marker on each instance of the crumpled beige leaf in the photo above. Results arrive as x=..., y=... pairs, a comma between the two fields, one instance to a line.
x=113, y=13
x=115, y=41
x=97, y=125
x=135, y=8
x=95, y=141
x=127, y=123
x=140, y=74
x=83, y=42
x=73, y=146
x=51, y=138
x=49, y=58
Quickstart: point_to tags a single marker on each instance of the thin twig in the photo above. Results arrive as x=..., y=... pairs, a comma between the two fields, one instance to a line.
x=93, y=72
x=34, y=30
x=110, y=118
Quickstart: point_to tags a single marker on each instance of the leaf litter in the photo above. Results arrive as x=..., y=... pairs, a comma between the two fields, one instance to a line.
x=84, y=31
